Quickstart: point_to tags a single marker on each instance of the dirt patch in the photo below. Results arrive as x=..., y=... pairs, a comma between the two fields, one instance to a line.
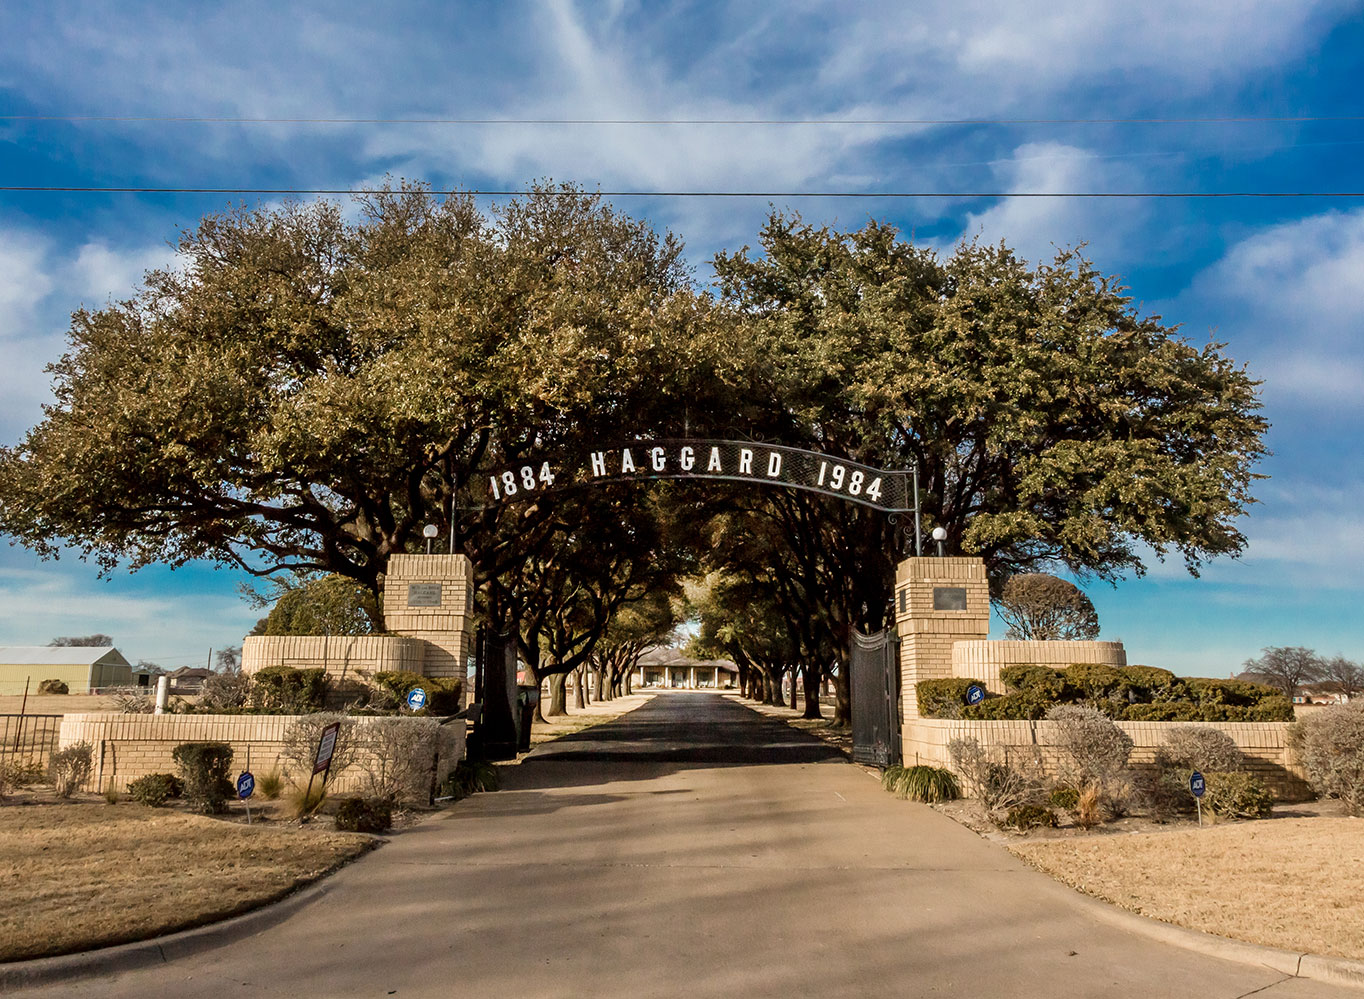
x=81, y=875
x=1292, y=882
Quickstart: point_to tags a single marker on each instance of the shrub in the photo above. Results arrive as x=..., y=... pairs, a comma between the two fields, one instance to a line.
x=135, y=702
x=366, y=815
x=225, y=691
x=1152, y=683
x=271, y=785
x=444, y=695
x=1090, y=807
x=16, y=773
x=111, y=794
x=53, y=687
x=1009, y=707
x=1331, y=747
x=1065, y=798
x=69, y=768
x=300, y=746
x=1160, y=712
x=1026, y=817
x=943, y=698
x=1094, y=751
x=399, y=757
x=283, y=688
x=472, y=776
x=154, y=790
x=997, y=780
x=1237, y=795
x=1193, y=747
x=1098, y=682
x=1274, y=708
x=927, y=784
x=890, y=776
x=1041, y=681
x=304, y=801
x=205, y=768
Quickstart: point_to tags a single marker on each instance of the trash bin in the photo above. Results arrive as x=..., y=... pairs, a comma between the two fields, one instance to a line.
x=527, y=699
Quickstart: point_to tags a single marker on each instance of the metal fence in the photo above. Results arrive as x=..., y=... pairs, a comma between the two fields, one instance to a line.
x=30, y=738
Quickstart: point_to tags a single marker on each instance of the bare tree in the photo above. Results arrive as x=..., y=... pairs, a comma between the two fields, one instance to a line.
x=1344, y=675
x=96, y=640
x=1287, y=667
x=1038, y=606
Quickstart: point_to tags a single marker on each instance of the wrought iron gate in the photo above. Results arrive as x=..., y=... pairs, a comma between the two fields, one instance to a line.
x=874, y=686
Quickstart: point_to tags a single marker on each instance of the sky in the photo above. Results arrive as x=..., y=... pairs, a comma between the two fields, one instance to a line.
x=1059, y=96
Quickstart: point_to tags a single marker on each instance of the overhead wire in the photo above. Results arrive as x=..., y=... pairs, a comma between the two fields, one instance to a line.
x=517, y=192
x=244, y=120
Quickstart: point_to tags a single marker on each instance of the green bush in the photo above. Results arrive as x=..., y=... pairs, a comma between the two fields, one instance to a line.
x=1026, y=817
x=69, y=768
x=1042, y=681
x=53, y=687
x=205, y=768
x=927, y=784
x=890, y=776
x=1098, y=682
x=1237, y=795
x=444, y=695
x=1010, y=707
x=1192, y=747
x=1271, y=708
x=154, y=790
x=289, y=690
x=1331, y=747
x=1151, y=683
x=1065, y=798
x=366, y=815
x=943, y=698
x=472, y=776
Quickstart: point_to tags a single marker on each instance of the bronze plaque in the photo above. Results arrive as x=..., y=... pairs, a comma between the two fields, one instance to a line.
x=424, y=594
x=949, y=598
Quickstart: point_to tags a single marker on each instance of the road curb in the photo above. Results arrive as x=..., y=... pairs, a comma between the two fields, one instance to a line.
x=1336, y=970
x=158, y=950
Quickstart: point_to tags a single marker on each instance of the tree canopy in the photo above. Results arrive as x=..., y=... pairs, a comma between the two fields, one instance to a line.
x=308, y=387
x=1038, y=606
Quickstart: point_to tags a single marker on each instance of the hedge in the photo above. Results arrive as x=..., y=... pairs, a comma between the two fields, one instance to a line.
x=1124, y=693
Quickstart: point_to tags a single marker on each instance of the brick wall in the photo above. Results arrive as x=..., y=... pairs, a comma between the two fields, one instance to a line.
x=1263, y=744
x=982, y=660
x=928, y=635
x=127, y=747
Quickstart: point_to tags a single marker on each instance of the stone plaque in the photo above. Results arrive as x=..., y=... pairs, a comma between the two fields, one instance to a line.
x=949, y=598
x=428, y=595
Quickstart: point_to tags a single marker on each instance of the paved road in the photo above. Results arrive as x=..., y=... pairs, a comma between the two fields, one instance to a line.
x=694, y=848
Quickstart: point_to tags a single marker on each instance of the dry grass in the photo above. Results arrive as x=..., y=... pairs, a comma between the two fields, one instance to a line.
x=1290, y=883
x=84, y=875
x=578, y=719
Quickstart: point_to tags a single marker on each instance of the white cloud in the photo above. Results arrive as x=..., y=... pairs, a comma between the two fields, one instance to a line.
x=1292, y=296
x=100, y=273
x=24, y=281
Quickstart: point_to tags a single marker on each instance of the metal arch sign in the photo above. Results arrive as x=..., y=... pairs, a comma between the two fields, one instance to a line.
x=721, y=460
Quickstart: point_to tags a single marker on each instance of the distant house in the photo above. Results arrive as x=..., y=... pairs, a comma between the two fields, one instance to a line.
x=188, y=679
x=661, y=666
x=81, y=668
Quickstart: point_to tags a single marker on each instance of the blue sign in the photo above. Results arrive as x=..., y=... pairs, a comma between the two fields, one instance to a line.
x=974, y=695
x=416, y=698
x=246, y=785
x=1196, y=784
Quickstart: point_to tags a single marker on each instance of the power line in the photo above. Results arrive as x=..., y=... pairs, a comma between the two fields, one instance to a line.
x=1174, y=195
x=231, y=120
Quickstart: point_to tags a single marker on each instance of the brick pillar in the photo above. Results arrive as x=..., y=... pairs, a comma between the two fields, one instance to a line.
x=430, y=597
x=938, y=601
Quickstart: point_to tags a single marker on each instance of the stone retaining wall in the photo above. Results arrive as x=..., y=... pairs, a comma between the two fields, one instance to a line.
x=1263, y=744
x=127, y=746
x=348, y=659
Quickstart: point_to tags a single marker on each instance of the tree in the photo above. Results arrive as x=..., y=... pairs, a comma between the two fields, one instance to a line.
x=229, y=660
x=1345, y=676
x=1286, y=667
x=1039, y=606
x=81, y=641
x=635, y=627
x=329, y=605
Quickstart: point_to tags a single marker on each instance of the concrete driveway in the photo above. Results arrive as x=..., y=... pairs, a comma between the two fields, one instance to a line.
x=694, y=848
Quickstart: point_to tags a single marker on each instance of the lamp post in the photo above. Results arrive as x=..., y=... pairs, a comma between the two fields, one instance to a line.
x=429, y=532
x=940, y=535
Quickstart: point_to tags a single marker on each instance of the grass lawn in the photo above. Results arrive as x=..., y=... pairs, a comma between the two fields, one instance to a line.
x=1294, y=883
x=80, y=875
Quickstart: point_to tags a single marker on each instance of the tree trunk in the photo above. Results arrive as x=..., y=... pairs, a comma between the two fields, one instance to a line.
x=627, y=681
x=810, y=674
x=558, y=700
x=603, y=687
x=773, y=691
x=580, y=688
x=795, y=706
x=842, y=697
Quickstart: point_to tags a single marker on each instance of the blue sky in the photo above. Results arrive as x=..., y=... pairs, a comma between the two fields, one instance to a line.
x=1281, y=281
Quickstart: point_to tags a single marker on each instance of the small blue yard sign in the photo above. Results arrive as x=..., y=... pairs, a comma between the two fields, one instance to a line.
x=974, y=694
x=416, y=698
x=1197, y=784
x=246, y=785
